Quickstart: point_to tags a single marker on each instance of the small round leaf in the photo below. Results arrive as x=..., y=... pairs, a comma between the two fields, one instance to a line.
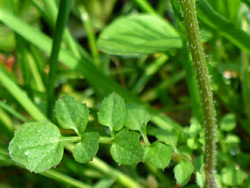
x=158, y=154
x=87, y=148
x=37, y=146
x=112, y=112
x=183, y=172
x=71, y=115
x=126, y=149
x=228, y=122
x=138, y=117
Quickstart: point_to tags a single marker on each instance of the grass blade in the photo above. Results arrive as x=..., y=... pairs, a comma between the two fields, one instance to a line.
x=83, y=66
x=211, y=18
x=21, y=97
x=62, y=19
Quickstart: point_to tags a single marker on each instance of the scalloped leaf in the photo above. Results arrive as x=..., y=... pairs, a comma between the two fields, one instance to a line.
x=126, y=148
x=183, y=171
x=158, y=154
x=87, y=148
x=113, y=112
x=37, y=146
x=138, y=117
x=71, y=115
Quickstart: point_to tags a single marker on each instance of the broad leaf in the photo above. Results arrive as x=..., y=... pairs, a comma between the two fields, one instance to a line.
x=71, y=115
x=87, y=148
x=126, y=149
x=183, y=172
x=37, y=146
x=228, y=122
x=158, y=154
x=112, y=112
x=138, y=34
x=232, y=176
x=138, y=117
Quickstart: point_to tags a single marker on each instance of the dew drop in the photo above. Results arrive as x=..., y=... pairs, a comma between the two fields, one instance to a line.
x=26, y=153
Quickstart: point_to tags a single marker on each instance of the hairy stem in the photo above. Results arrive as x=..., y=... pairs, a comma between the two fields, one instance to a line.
x=203, y=82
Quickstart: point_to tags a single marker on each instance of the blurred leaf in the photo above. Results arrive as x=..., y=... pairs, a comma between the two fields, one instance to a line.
x=200, y=178
x=137, y=118
x=138, y=34
x=71, y=115
x=113, y=112
x=194, y=128
x=228, y=122
x=169, y=138
x=232, y=176
x=198, y=163
x=227, y=29
x=87, y=148
x=104, y=183
x=158, y=154
x=183, y=172
x=232, y=139
x=126, y=148
x=192, y=143
x=7, y=39
x=37, y=146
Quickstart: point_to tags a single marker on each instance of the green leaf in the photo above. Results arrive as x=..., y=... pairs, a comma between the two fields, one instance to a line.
x=87, y=148
x=183, y=172
x=137, y=118
x=226, y=28
x=113, y=112
x=200, y=178
x=71, y=115
x=232, y=176
x=192, y=143
x=169, y=138
x=198, y=163
x=138, y=34
x=126, y=149
x=232, y=139
x=37, y=146
x=158, y=154
x=82, y=66
x=228, y=122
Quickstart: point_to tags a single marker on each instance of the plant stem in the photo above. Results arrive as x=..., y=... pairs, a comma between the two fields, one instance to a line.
x=71, y=139
x=63, y=15
x=90, y=34
x=203, y=82
x=105, y=140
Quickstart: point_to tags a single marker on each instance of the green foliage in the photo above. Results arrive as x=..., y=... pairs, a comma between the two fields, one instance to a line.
x=154, y=112
x=232, y=176
x=138, y=34
x=183, y=171
x=167, y=137
x=87, y=148
x=71, y=115
x=112, y=112
x=37, y=146
x=228, y=122
x=126, y=149
x=158, y=154
x=138, y=117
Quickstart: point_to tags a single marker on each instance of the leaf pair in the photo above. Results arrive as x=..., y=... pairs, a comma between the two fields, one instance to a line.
x=115, y=114
x=39, y=145
x=126, y=148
